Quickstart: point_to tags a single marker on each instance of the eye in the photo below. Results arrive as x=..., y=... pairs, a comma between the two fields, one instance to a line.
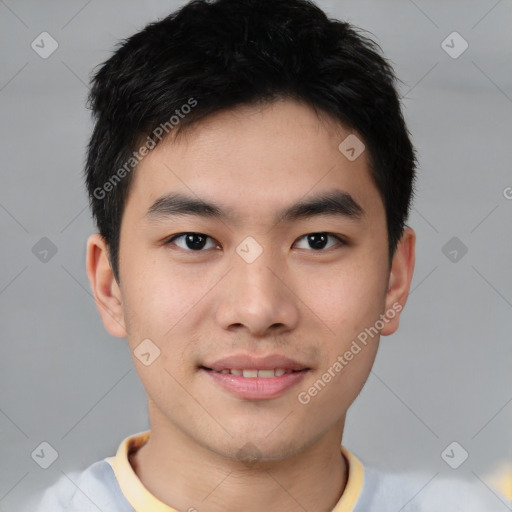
x=196, y=242
x=193, y=242
x=318, y=241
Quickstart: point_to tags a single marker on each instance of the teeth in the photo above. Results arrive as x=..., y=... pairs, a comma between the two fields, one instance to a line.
x=252, y=374
x=266, y=373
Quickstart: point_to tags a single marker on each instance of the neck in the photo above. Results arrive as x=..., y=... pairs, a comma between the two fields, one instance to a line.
x=188, y=476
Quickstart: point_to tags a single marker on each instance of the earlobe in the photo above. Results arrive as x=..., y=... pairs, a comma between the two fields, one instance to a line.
x=106, y=291
x=400, y=277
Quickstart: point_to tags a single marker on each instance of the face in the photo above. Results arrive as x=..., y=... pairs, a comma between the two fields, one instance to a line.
x=280, y=270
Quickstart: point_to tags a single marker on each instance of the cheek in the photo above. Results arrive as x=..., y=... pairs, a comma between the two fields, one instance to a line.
x=347, y=297
x=154, y=293
x=161, y=302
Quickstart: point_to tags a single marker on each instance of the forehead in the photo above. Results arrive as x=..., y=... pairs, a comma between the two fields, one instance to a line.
x=256, y=160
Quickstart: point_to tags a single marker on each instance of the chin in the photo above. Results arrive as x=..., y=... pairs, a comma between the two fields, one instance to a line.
x=251, y=450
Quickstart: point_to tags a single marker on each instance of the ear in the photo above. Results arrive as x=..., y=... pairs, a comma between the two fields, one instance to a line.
x=400, y=277
x=106, y=291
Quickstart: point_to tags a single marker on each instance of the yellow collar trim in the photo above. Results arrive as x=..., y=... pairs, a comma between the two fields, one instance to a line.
x=142, y=500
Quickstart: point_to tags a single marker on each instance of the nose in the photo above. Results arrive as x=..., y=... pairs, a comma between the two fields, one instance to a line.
x=258, y=298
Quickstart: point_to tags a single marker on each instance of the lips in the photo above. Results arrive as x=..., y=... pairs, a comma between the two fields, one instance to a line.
x=249, y=373
x=247, y=362
x=256, y=378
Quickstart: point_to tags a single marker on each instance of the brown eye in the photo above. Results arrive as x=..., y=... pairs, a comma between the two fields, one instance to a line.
x=194, y=242
x=319, y=241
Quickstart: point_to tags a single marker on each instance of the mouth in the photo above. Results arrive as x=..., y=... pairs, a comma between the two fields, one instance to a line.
x=251, y=378
x=251, y=373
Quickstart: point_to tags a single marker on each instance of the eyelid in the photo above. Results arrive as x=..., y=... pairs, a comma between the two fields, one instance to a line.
x=169, y=240
x=340, y=239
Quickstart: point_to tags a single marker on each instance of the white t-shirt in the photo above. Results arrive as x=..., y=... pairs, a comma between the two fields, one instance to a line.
x=111, y=485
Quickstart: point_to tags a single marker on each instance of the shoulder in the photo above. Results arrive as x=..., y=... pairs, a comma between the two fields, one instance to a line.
x=94, y=489
x=423, y=492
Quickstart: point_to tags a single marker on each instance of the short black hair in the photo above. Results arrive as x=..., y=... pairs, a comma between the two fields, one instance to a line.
x=211, y=56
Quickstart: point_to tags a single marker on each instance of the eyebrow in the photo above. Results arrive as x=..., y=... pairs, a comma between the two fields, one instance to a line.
x=335, y=203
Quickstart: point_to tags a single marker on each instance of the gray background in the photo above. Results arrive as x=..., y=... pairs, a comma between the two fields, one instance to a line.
x=444, y=376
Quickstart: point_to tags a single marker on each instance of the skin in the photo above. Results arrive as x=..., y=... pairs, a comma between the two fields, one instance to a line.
x=292, y=300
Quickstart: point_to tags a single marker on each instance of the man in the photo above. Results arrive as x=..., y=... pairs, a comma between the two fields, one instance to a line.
x=250, y=173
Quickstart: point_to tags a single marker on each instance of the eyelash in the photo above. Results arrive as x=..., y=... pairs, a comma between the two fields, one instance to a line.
x=341, y=241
